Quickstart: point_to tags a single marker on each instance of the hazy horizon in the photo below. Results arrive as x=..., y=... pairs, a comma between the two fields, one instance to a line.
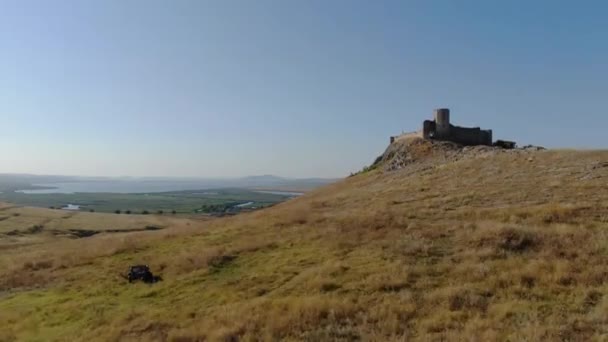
x=207, y=89
x=158, y=177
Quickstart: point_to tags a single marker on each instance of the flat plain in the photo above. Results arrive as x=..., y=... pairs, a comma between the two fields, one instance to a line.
x=183, y=202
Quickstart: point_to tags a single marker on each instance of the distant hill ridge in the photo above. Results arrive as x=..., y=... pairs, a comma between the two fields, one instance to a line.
x=12, y=182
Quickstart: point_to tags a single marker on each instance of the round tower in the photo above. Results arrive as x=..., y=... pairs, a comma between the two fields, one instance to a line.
x=442, y=122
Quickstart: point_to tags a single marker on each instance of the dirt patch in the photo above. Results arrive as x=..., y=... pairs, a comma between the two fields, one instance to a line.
x=221, y=260
x=516, y=240
x=84, y=233
x=31, y=230
x=152, y=331
x=469, y=300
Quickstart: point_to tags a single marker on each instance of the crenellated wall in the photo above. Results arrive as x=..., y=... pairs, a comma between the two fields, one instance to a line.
x=470, y=136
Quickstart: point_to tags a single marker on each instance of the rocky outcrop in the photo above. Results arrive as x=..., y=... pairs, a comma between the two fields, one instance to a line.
x=419, y=153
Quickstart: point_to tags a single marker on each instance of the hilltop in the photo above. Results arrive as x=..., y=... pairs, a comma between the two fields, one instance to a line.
x=433, y=242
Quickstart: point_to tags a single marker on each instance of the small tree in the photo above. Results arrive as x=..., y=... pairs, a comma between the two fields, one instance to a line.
x=173, y=212
x=92, y=210
x=145, y=212
x=128, y=212
x=117, y=211
x=160, y=212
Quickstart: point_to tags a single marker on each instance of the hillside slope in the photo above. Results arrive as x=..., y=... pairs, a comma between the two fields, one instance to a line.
x=436, y=243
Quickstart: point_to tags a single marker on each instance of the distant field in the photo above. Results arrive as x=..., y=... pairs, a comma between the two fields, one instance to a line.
x=182, y=202
x=28, y=225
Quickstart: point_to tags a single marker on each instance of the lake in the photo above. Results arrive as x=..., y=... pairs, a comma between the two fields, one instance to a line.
x=284, y=193
x=140, y=186
x=118, y=186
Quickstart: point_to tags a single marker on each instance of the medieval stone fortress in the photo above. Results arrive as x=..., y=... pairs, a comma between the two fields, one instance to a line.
x=441, y=129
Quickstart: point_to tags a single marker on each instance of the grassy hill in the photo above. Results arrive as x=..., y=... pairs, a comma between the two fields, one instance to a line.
x=436, y=242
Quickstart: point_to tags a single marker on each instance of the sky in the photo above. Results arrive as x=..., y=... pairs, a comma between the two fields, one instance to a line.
x=296, y=88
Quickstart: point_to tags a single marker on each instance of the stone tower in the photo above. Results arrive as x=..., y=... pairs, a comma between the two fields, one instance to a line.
x=442, y=122
x=441, y=129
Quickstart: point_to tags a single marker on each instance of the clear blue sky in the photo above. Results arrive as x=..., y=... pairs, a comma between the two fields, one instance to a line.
x=294, y=88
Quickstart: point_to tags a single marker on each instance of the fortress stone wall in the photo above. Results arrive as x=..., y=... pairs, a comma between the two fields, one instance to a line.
x=441, y=129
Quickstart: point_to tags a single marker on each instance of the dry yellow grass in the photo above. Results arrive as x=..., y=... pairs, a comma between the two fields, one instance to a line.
x=498, y=246
x=27, y=225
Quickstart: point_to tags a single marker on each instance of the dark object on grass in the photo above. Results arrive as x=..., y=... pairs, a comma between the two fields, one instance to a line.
x=143, y=273
x=505, y=144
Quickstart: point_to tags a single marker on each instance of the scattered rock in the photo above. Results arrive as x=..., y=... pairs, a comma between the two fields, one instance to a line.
x=418, y=154
x=599, y=165
x=533, y=148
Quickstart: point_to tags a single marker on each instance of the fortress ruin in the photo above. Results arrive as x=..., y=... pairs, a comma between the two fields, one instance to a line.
x=441, y=129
